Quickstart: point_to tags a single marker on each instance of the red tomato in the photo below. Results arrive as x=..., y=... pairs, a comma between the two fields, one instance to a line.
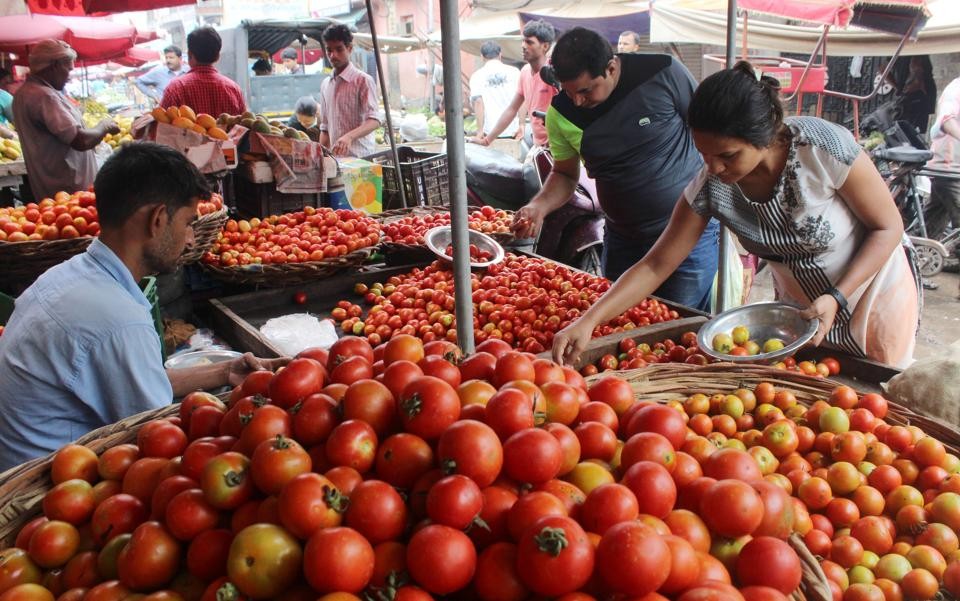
x=167, y=490
x=298, y=380
x=151, y=558
x=194, y=401
x=497, y=578
x=732, y=463
x=314, y=419
x=684, y=565
x=267, y=423
x=402, y=458
x=661, y=419
x=440, y=559
x=614, y=392
x=353, y=443
x=732, y=508
x=454, y=501
x=509, y=411
x=310, y=502
x=472, y=449
x=398, y=374
x=778, y=518
x=347, y=347
x=115, y=461
x=161, y=439
x=117, y=515
x=532, y=456
x=207, y=554
x=606, y=506
x=479, y=366
x=768, y=561
x=555, y=557
x=338, y=559
x=439, y=367
x=74, y=461
x=372, y=402
x=428, y=406
x=655, y=490
x=531, y=508
x=497, y=502
x=70, y=501
x=377, y=511
x=513, y=366
x=633, y=559
x=53, y=544
x=275, y=462
x=188, y=514
x=353, y=369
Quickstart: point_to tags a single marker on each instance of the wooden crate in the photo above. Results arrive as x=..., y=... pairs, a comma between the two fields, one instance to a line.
x=237, y=319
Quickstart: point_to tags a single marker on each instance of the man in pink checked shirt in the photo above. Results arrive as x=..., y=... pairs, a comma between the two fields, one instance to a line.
x=348, y=100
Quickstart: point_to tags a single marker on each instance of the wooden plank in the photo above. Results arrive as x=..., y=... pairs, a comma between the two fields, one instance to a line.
x=238, y=333
x=862, y=374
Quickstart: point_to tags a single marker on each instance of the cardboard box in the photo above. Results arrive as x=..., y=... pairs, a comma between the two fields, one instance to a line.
x=362, y=186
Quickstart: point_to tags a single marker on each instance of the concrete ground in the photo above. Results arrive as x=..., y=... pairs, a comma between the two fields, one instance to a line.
x=939, y=324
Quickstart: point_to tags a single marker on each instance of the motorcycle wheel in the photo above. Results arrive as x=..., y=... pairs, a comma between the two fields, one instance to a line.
x=929, y=260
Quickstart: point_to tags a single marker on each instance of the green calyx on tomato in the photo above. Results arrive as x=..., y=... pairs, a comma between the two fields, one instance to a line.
x=552, y=541
x=335, y=499
x=412, y=406
x=448, y=466
x=228, y=592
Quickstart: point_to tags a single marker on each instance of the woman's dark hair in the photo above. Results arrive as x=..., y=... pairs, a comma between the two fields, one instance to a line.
x=737, y=104
x=204, y=44
x=306, y=106
x=144, y=174
x=338, y=33
x=580, y=50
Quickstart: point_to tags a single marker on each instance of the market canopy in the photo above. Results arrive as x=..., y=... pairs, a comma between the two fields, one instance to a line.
x=704, y=22
x=79, y=8
x=94, y=39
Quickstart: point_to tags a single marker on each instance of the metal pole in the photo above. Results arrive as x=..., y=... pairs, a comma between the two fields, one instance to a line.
x=386, y=103
x=453, y=108
x=725, y=250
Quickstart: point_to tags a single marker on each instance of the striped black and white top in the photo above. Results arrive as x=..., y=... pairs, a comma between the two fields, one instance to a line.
x=809, y=236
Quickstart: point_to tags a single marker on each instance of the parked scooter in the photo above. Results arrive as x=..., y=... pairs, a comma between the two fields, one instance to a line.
x=573, y=234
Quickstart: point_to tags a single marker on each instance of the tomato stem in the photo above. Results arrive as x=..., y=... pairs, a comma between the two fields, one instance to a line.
x=335, y=500
x=552, y=541
x=412, y=406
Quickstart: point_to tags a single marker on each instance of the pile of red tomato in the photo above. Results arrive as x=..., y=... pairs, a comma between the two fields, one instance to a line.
x=522, y=300
x=633, y=355
x=408, y=473
x=210, y=206
x=410, y=229
x=58, y=218
x=313, y=234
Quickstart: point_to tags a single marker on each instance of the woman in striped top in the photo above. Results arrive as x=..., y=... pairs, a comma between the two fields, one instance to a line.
x=800, y=193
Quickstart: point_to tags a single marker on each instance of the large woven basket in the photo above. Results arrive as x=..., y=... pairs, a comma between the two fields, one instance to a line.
x=206, y=229
x=676, y=381
x=288, y=274
x=21, y=263
x=22, y=487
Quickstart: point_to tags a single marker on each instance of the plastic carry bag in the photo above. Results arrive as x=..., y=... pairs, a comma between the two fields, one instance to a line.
x=298, y=331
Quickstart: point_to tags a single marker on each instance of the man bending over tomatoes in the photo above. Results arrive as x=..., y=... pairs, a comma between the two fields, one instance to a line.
x=80, y=350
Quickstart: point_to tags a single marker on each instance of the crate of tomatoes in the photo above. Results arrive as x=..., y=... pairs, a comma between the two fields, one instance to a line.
x=404, y=230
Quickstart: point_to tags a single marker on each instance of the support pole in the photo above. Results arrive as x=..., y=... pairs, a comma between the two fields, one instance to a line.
x=453, y=109
x=386, y=102
x=725, y=249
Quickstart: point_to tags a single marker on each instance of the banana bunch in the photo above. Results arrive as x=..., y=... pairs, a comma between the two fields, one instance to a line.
x=10, y=151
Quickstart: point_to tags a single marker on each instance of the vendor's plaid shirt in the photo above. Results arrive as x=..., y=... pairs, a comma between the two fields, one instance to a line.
x=347, y=99
x=205, y=91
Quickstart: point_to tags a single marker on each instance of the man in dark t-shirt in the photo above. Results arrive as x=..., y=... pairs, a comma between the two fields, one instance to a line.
x=624, y=115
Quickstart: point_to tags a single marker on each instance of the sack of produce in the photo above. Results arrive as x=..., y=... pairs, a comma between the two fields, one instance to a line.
x=931, y=385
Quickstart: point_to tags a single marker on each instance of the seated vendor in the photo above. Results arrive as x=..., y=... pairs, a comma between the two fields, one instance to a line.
x=305, y=118
x=80, y=350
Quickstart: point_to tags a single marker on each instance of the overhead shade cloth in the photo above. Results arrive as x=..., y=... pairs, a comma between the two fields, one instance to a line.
x=18, y=32
x=79, y=8
x=97, y=39
x=609, y=27
x=271, y=36
x=674, y=21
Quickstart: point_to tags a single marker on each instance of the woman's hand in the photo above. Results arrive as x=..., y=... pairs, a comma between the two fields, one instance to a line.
x=824, y=309
x=571, y=341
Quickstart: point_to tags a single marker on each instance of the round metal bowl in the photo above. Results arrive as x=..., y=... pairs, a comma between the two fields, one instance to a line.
x=196, y=358
x=765, y=321
x=439, y=238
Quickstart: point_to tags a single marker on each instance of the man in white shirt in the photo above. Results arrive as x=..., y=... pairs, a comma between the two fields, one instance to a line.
x=492, y=88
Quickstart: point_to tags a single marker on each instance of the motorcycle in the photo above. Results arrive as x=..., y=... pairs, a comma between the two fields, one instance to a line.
x=572, y=235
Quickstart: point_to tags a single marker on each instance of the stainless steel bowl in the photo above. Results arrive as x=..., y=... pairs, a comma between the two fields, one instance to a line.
x=439, y=238
x=195, y=358
x=765, y=321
